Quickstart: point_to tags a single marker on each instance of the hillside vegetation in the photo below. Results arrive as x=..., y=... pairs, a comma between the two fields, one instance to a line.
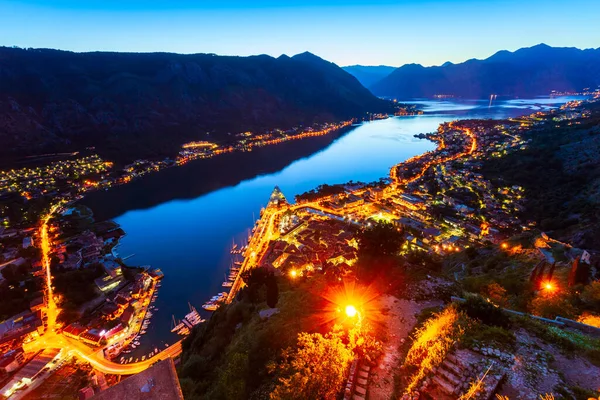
x=147, y=104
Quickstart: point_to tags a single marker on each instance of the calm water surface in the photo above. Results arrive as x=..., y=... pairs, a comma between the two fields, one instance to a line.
x=190, y=239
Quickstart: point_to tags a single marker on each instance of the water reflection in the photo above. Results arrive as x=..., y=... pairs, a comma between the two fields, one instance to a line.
x=183, y=220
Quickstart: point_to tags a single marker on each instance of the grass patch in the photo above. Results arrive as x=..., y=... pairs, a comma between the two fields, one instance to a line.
x=479, y=333
x=567, y=341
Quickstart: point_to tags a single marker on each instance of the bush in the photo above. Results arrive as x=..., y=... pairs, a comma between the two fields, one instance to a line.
x=489, y=334
x=496, y=293
x=479, y=309
x=316, y=370
x=591, y=295
x=552, y=306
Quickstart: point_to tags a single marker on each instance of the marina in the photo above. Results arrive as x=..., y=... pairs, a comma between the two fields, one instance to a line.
x=184, y=327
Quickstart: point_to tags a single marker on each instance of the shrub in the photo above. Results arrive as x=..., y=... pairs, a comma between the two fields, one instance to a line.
x=432, y=343
x=591, y=295
x=316, y=370
x=589, y=319
x=488, y=334
x=496, y=293
x=552, y=306
x=479, y=309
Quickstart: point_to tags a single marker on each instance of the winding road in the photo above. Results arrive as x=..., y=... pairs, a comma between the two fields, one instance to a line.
x=52, y=339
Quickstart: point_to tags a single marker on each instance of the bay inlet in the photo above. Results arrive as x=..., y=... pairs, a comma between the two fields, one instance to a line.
x=184, y=220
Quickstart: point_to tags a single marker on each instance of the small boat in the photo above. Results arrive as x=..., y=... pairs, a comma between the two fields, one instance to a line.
x=184, y=331
x=143, y=358
x=130, y=358
x=137, y=359
x=143, y=332
x=136, y=343
x=227, y=284
x=156, y=350
x=176, y=326
x=133, y=346
x=210, y=306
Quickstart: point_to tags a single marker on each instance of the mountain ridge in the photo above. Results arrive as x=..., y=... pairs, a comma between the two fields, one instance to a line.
x=529, y=71
x=130, y=105
x=369, y=74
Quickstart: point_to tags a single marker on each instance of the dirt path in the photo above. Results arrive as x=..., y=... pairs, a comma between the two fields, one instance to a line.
x=400, y=321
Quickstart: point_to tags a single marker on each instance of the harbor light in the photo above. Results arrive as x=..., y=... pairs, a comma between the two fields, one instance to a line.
x=351, y=311
x=293, y=273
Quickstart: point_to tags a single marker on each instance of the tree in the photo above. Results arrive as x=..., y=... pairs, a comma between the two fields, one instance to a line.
x=317, y=370
x=591, y=295
x=232, y=379
x=484, y=311
x=272, y=291
x=254, y=280
x=380, y=240
x=496, y=293
x=551, y=306
x=10, y=272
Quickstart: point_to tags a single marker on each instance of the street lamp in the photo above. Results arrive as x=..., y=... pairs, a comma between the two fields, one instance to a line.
x=351, y=311
x=549, y=286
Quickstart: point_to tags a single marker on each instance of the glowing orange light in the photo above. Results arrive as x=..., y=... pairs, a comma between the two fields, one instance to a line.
x=504, y=245
x=549, y=286
x=293, y=273
x=351, y=311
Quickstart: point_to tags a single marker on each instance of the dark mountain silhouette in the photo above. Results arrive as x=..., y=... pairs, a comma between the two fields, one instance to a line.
x=529, y=71
x=131, y=105
x=368, y=75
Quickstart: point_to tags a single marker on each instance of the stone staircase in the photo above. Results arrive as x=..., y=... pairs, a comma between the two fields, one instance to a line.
x=358, y=382
x=447, y=381
x=454, y=376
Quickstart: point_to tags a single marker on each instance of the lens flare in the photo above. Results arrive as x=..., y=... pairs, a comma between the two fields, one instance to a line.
x=351, y=311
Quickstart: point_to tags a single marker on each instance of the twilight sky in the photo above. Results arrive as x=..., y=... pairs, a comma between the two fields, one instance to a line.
x=373, y=32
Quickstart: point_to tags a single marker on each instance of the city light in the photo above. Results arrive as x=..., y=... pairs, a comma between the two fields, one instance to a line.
x=293, y=273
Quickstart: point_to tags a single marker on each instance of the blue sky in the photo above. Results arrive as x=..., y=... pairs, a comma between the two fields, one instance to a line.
x=374, y=32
